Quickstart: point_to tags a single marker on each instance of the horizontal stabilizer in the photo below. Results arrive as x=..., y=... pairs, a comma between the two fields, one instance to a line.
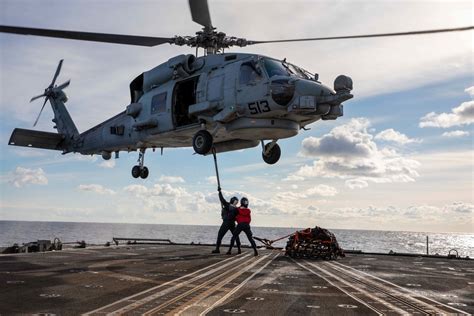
x=36, y=139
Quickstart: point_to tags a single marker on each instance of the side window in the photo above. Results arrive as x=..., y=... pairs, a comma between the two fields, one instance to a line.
x=248, y=74
x=158, y=103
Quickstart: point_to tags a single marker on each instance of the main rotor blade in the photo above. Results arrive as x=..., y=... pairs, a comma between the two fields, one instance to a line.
x=45, y=100
x=200, y=12
x=467, y=28
x=87, y=36
x=58, y=70
x=64, y=85
x=37, y=97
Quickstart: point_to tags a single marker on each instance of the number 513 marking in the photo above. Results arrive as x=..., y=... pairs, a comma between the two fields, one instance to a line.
x=259, y=107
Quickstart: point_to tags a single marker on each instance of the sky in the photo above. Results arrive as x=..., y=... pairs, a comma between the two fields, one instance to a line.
x=401, y=157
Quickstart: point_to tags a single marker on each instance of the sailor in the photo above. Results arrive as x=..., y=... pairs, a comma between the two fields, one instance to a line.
x=243, y=224
x=228, y=214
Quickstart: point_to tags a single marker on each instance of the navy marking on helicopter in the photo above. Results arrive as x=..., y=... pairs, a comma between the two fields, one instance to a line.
x=216, y=102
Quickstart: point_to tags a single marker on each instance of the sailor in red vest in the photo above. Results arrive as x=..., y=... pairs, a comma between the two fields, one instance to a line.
x=243, y=224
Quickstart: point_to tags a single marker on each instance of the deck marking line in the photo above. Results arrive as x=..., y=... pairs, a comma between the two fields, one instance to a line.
x=238, y=287
x=207, y=293
x=179, y=287
x=339, y=288
x=398, y=298
x=203, y=284
x=405, y=289
x=161, y=285
x=362, y=291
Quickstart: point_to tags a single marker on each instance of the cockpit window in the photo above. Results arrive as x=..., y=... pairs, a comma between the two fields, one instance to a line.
x=248, y=74
x=275, y=68
x=298, y=71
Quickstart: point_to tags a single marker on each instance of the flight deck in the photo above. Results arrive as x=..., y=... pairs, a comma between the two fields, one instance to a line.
x=189, y=280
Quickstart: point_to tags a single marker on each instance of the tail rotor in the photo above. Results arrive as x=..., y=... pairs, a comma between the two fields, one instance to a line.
x=51, y=90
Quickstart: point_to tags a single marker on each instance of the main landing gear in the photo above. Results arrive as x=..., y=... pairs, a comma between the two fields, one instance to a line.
x=140, y=170
x=271, y=152
x=202, y=142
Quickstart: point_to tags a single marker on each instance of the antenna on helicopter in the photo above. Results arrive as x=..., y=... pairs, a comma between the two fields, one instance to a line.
x=51, y=90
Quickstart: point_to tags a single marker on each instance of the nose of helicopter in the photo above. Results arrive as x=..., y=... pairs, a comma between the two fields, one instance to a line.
x=317, y=98
x=313, y=88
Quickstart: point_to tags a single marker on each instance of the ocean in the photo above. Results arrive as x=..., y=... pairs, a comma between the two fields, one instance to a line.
x=366, y=240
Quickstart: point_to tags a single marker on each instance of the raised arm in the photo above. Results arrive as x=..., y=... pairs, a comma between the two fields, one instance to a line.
x=223, y=201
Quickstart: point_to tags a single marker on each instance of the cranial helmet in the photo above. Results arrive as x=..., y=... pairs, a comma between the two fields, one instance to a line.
x=244, y=202
x=233, y=199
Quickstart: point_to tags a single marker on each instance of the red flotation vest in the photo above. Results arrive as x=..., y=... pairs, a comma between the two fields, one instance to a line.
x=243, y=216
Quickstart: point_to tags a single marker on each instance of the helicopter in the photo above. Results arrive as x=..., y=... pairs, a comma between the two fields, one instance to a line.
x=217, y=102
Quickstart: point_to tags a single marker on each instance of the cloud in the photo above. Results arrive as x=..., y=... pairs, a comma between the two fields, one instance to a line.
x=293, y=177
x=23, y=176
x=460, y=207
x=461, y=115
x=356, y=184
x=470, y=91
x=455, y=134
x=157, y=190
x=96, y=188
x=212, y=180
x=391, y=135
x=349, y=152
x=322, y=190
x=171, y=179
x=109, y=164
x=319, y=190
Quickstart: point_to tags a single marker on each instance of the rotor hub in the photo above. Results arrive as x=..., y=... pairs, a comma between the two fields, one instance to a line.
x=210, y=40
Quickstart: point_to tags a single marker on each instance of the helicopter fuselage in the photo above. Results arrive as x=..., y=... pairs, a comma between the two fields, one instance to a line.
x=241, y=99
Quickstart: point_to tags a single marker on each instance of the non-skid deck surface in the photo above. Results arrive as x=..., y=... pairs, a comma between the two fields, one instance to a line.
x=189, y=280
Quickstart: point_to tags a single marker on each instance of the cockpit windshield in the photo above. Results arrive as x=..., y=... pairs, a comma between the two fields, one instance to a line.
x=297, y=71
x=275, y=68
x=282, y=68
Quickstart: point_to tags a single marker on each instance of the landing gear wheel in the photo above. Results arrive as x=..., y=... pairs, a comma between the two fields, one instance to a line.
x=202, y=142
x=136, y=171
x=144, y=173
x=273, y=156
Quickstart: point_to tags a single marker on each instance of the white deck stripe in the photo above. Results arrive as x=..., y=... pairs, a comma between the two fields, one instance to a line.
x=206, y=282
x=339, y=288
x=405, y=289
x=159, y=286
x=222, y=299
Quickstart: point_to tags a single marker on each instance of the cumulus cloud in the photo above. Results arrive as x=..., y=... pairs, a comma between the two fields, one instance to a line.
x=461, y=115
x=96, y=188
x=460, y=207
x=293, y=177
x=23, y=176
x=356, y=184
x=109, y=164
x=322, y=190
x=455, y=134
x=157, y=190
x=171, y=179
x=319, y=190
x=391, y=135
x=211, y=180
x=470, y=91
x=349, y=152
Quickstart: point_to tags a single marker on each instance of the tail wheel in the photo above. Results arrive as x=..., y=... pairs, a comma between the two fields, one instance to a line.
x=202, y=142
x=144, y=173
x=136, y=171
x=273, y=156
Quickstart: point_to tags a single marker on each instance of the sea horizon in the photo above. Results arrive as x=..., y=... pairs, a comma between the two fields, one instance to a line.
x=218, y=224
x=94, y=233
